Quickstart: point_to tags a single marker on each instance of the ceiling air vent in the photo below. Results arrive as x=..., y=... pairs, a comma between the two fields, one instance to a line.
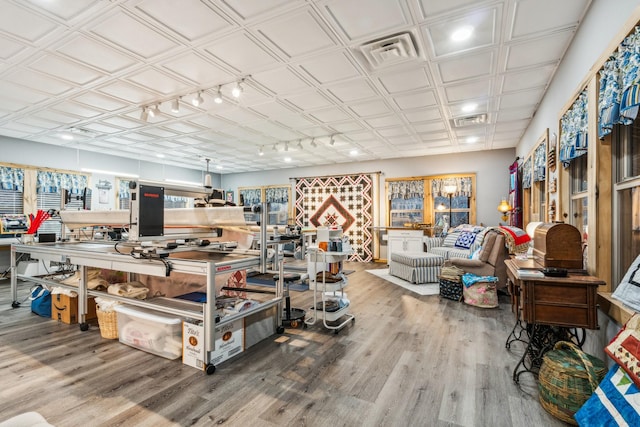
x=390, y=51
x=474, y=120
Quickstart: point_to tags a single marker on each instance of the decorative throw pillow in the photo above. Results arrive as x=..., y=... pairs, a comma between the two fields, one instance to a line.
x=465, y=240
x=628, y=291
x=624, y=348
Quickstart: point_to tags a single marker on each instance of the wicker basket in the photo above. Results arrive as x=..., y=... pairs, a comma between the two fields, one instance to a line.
x=108, y=323
x=568, y=376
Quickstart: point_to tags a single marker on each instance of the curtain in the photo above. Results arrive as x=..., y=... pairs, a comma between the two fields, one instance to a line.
x=463, y=186
x=11, y=178
x=629, y=69
x=573, y=136
x=277, y=194
x=54, y=182
x=406, y=189
x=526, y=174
x=539, y=163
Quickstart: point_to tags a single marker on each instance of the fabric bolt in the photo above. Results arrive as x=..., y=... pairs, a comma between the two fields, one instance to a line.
x=628, y=290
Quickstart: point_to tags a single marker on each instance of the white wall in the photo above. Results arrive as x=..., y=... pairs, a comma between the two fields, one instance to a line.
x=490, y=167
x=600, y=26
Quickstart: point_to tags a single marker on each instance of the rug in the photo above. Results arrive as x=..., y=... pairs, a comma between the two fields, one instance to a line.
x=425, y=289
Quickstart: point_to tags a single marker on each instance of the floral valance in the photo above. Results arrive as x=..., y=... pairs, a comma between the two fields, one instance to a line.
x=54, y=182
x=573, y=137
x=462, y=185
x=526, y=173
x=11, y=178
x=540, y=163
x=619, y=94
x=277, y=194
x=406, y=189
x=251, y=196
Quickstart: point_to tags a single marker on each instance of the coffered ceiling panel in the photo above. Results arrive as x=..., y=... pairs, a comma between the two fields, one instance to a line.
x=384, y=77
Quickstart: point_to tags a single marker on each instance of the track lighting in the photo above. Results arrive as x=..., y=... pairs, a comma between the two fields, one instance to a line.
x=332, y=140
x=175, y=105
x=313, y=143
x=207, y=177
x=237, y=89
x=155, y=110
x=198, y=99
x=261, y=152
x=286, y=146
x=300, y=144
x=218, y=98
x=144, y=116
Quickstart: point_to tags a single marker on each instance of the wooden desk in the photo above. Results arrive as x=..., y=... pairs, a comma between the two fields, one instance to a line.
x=548, y=310
x=556, y=301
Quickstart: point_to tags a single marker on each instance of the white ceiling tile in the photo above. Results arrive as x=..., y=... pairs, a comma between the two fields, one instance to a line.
x=515, y=125
x=308, y=100
x=423, y=115
x=10, y=48
x=55, y=116
x=65, y=69
x=430, y=8
x=241, y=52
x=415, y=100
x=76, y=109
x=432, y=136
x=158, y=132
x=381, y=17
x=27, y=26
x=394, y=132
x=122, y=122
x=22, y=93
x=537, y=77
x=403, y=81
x=272, y=109
x=371, y=108
x=382, y=122
x=85, y=50
x=294, y=121
x=12, y=105
x=353, y=90
x=191, y=19
x=127, y=92
x=133, y=36
x=429, y=127
x=538, y=51
x=198, y=70
x=250, y=9
x=330, y=67
x=510, y=114
x=531, y=17
x=239, y=115
x=280, y=80
x=348, y=126
x=36, y=122
x=101, y=128
x=463, y=92
x=466, y=67
x=159, y=82
x=100, y=101
x=329, y=115
x=38, y=81
x=179, y=127
x=483, y=21
x=296, y=34
x=521, y=99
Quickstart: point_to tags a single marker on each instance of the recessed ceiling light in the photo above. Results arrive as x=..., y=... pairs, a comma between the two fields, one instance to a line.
x=467, y=108
x=471, y=140
x=353, y=152
x=66, y=136
x=160, y=155
x=287, y=159
x=219, y=167
x=462, y=33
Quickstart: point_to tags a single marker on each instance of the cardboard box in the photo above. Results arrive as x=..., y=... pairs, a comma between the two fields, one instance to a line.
x=65, y=308
x=229, y=342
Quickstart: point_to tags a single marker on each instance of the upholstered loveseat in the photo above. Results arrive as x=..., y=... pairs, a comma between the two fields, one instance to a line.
x=460, y=242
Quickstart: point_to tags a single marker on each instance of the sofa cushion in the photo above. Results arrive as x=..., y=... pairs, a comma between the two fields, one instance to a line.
x=465, y=240
x=417, y=259
x=450, y=239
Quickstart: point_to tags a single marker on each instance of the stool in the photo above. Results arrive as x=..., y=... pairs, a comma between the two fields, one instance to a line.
x=292, y=317
x=416, y=267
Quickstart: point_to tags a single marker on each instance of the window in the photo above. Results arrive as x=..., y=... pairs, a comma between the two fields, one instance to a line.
x=626, y=197
x=579, y=200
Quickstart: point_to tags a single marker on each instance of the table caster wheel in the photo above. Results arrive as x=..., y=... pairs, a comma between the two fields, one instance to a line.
x=280, y=329
x=15, y=304
x=84, y=326
x=210, y=369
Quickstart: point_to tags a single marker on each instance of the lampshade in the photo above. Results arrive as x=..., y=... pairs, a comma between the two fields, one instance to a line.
x=504, y=206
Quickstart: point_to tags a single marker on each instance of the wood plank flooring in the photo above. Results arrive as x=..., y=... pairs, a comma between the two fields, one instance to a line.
x=408, y=360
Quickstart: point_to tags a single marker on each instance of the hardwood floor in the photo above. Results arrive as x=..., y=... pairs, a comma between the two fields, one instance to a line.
x=408, y=360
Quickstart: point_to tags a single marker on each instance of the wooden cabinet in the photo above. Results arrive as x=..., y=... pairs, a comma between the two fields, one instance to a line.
x=404, y=241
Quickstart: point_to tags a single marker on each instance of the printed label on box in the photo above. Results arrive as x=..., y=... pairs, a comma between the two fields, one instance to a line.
x=229, y=342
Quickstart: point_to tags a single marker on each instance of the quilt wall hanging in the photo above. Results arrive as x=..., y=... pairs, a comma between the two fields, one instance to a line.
x=339, y=200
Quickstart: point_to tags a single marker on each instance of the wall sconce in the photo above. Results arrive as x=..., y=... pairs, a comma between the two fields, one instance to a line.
x=505, y=208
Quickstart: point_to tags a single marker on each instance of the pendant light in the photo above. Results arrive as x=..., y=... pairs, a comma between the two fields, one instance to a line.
x=207, y=177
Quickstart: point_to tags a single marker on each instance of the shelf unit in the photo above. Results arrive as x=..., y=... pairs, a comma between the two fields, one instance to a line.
x=325, y=293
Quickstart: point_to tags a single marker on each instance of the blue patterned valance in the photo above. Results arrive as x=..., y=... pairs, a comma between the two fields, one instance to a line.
x=573, y=135
x=463, y=186
x=11, y=178
x=618, y=97
x=540, y=163
x=526, y=173
x=251, y=196
x=406, y=189
x=54, y=182
x=277, y=194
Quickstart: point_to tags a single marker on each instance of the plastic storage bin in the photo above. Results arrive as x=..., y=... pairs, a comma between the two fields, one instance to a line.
x=149, y=330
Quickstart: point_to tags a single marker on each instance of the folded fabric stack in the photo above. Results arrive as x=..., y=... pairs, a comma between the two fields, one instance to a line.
x=129, y=289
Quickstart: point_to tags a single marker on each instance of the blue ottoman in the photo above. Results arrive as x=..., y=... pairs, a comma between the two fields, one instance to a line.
x=416, y=267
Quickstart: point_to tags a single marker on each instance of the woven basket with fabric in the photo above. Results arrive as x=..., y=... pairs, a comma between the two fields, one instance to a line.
x=568, y=377
x=108, y=323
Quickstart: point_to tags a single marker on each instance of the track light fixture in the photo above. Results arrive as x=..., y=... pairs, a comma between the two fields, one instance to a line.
x=218, y=98
x=313, y=143
x=198, y=99
x=300, y=144
x=175, y=105
x=261, y=152
x=332, y=140
x=237, y=89
x=155, y=110
x=144, y=116
x=286, y=146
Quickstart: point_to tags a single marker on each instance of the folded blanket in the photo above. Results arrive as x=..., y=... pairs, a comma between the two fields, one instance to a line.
x=94, y=280
x=129, y=289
